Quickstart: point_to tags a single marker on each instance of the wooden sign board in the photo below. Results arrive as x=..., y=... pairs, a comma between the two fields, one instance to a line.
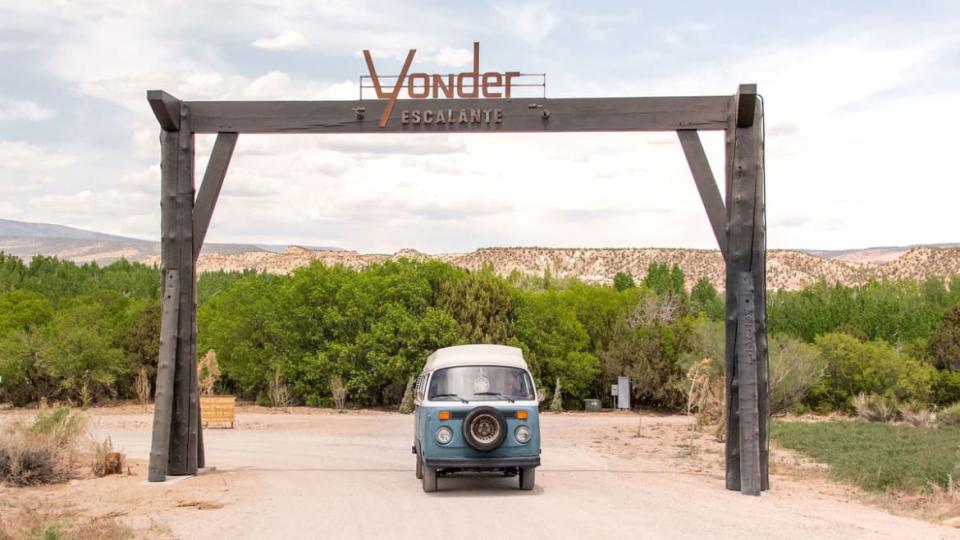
x=218, y=410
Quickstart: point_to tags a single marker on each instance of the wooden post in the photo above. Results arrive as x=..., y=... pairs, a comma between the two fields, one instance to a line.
x=163, y=105
x=747, y=387
x=733, y=266
x=163, y=397
x=176, y=447
x=185, y=424
x=741, y=198
x=758, y=266
x=746, y=253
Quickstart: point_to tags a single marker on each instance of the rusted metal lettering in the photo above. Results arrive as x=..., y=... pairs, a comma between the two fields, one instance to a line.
x=450, y=116
x=468, y=84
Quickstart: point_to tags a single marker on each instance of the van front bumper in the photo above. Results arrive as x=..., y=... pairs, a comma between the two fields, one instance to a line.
x=482, y=463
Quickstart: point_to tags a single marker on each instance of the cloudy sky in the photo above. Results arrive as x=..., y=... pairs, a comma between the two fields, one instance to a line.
x=862, y=104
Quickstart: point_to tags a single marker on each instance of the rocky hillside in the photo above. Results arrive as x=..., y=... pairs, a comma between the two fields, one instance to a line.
x=25, y=239
x=786, y=269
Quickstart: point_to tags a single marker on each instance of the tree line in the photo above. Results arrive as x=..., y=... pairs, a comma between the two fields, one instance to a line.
x=82, y=333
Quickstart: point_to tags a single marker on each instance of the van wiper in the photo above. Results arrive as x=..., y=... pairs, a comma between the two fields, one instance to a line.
x=450, y=395
x=495, y=394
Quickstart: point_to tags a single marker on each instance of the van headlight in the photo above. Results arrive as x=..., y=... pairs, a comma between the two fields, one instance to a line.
x=443, y=435
x=523, y=434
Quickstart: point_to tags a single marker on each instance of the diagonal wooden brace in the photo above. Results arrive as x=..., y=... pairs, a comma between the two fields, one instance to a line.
x=210, y=188
x=706, y=185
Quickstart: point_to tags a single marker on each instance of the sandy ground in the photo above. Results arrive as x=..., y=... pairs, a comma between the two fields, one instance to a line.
x=351, y=476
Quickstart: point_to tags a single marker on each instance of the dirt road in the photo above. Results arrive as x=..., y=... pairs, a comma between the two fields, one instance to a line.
x=351, y=476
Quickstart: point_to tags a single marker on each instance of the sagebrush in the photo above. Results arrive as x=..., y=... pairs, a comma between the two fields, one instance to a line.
x=42, y=452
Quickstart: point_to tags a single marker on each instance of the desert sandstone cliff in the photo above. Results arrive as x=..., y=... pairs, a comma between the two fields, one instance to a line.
x=785, y=269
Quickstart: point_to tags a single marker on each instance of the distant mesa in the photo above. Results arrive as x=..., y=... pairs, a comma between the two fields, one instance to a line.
x=786, y=269
x=408, y=253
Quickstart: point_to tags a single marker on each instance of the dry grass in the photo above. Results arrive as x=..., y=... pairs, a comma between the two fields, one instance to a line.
x=44, y=452
x=917, y=415
x=143, y=388
x=874, y=408
x=208, y=372
x=107, y=528
x=556, y=404
x=104, y=460
x=407, y=404
x=49, y=525
x=339, y=392
x=278, y=392
x=705, y=394
x=949, y=416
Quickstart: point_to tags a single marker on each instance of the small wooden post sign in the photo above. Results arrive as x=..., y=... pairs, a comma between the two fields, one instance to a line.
x=218, y=410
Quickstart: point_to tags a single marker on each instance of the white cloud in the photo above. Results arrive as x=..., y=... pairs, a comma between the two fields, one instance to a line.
x=454, y=57
x=146, y=180
x=19, y=155
x=679, y=35
x=530, y=22
x=285, y=40
x=98, y=210
x=837, y=175
x=270, y=85
x=344, y=90
x=598, y=26
x=13, y=110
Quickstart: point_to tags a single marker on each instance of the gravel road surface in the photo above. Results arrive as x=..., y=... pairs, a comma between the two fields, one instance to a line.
x=352, y=476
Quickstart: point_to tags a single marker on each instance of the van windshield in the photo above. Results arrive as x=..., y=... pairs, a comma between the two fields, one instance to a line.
x=481, y=383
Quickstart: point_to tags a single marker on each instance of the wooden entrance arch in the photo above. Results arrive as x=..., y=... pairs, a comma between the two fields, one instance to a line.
x=739, y=227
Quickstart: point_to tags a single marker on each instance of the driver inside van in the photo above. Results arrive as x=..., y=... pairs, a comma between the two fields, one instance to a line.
x=513, y=386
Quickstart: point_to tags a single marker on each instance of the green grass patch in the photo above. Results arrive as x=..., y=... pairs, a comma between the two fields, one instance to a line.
x=876, y=456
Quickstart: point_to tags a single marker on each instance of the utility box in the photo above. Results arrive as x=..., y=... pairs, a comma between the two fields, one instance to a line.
x=623, y=392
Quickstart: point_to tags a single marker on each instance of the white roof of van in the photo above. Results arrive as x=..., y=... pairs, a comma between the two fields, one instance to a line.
x=473, y=355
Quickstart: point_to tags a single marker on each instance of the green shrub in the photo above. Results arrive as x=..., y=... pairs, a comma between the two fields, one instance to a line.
x=795, y=367
x=873, y=367
x=86, y=333
x=950, y=416
x=946, y=387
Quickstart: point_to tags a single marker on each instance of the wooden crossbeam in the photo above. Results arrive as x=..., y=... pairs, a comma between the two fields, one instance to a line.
x=166, y=108
x=746, y=104
x=518, y=116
